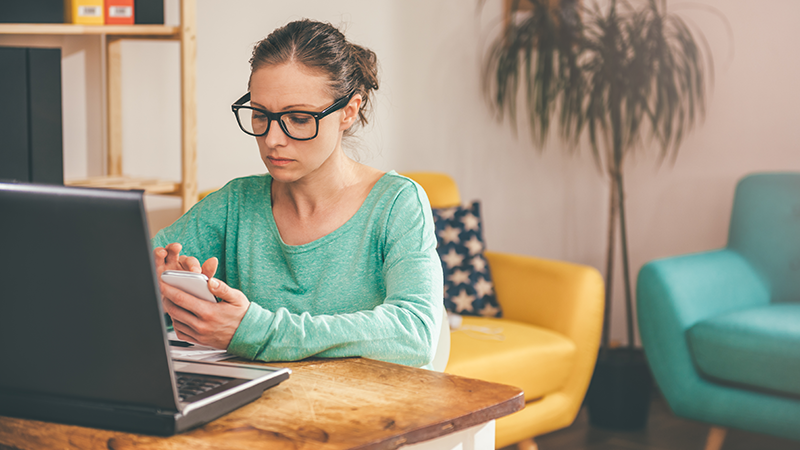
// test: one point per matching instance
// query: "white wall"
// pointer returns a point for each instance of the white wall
(430, 115)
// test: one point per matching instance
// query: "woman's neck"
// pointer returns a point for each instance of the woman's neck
(317, 205)
(319, 190)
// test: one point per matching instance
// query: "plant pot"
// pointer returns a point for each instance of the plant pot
(620, 392)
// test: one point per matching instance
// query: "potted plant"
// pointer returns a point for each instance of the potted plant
(629, 76)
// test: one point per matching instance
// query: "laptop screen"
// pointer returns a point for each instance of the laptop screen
(80, 312)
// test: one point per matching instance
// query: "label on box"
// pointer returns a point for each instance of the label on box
(120, 11)
(90, 11)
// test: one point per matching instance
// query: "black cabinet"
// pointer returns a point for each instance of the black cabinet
(31, 142)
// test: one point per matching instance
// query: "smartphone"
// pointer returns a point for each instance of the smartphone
(190, 282)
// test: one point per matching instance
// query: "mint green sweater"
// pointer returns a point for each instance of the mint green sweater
(371, 288)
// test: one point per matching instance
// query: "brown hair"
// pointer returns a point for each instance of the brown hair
(321, 47)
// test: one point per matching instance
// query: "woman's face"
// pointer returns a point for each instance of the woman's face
(290, 87)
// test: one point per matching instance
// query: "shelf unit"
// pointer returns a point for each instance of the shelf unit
(185, 34)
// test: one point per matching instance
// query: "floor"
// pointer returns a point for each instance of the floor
(664, 432)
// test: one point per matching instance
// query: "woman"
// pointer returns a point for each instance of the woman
(323, 255)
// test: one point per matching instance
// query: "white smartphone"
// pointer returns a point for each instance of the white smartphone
(190, 282)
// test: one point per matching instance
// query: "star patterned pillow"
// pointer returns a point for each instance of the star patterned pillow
(468, 286)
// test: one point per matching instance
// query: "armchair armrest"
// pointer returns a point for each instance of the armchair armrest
(564, 297)
(673, 294)
(690, 288)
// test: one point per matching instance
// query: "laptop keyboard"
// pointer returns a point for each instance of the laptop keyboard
(190, 385)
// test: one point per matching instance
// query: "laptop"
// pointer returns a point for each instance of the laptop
(83, 338)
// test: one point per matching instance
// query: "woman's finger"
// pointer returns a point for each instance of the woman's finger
(183, 306)
(184, 332)
(173, 253)
(160, 256)
(227, 293)
(176, 312)
(209, 268)
(190, 263)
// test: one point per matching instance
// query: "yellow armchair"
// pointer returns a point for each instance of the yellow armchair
(551, 326)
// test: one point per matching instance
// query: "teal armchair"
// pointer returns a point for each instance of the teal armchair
(721, 329)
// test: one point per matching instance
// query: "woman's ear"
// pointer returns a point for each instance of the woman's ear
(351, 112)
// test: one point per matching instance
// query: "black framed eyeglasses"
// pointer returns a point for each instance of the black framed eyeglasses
(298, 125)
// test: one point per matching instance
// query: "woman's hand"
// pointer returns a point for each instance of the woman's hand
(196, 320)
(170, 258)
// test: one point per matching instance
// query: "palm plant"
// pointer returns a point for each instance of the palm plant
(625, 75)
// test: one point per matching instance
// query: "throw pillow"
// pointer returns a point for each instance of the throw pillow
(468, 286)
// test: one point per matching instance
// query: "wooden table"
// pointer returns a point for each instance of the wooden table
(351, 403)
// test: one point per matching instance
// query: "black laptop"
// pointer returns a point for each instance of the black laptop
(82, 331)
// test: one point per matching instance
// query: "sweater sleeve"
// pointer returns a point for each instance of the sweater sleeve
(404, 329)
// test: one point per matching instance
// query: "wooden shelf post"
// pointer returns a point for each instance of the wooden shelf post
(114, 106)
(188, 103)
